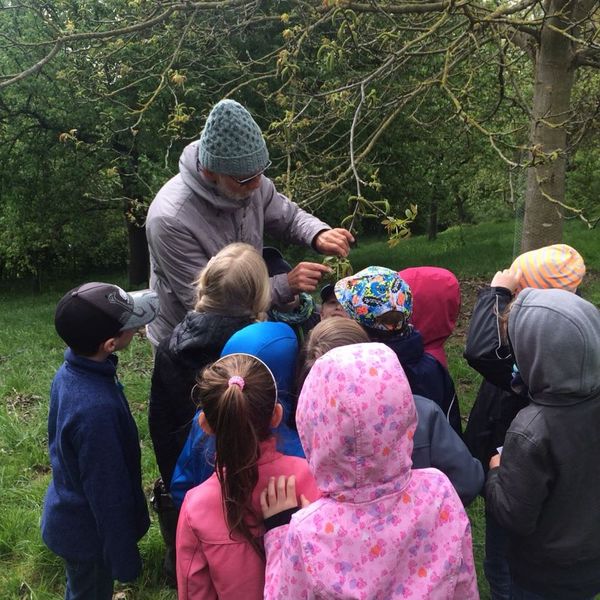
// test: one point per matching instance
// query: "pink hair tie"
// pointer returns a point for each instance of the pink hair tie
(237, 380)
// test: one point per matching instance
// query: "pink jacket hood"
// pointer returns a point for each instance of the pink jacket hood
(436, 304)
(356, 418)
(380, 531)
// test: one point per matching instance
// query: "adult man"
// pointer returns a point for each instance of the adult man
(220, 196)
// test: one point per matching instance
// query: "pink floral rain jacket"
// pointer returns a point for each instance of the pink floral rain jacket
(380, 531)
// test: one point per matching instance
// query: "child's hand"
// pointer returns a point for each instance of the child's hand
(495, 461)
(507, 279)
(275, 499)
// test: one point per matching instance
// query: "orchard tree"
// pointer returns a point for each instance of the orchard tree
(536, 48)
(335, 84)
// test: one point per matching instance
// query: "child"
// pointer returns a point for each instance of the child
(219, 545)
(543, 488)
(381, 529)
(381, 302)
(435, 443)
(436, 304)
(95, 510)
(498, 402)
(558, 266)
(330, 307)
(233, 291)
(276, 345)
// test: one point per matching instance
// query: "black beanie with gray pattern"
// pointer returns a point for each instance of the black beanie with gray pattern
(231, 142)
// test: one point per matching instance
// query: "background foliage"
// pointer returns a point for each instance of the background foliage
(393, 105)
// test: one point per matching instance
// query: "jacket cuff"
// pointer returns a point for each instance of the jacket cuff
(281, 294)
(502, 291)
(280, 519)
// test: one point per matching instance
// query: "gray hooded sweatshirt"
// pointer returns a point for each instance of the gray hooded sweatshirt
(546, 492)
(189, 222)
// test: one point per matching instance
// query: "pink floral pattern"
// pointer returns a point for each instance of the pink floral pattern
(380, 530)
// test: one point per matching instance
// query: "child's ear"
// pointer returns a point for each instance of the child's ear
(109, 345)
(204, 424)
(277, 415)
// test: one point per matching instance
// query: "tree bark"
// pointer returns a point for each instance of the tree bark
(138, 267)
(461, 212)
(554, 77)
(432, 226)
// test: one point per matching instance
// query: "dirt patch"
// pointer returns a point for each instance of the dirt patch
(468, 293)
(41, 469)
(22, 405)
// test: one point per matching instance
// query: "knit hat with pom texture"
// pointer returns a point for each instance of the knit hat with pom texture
(231, 142)
(556, 266)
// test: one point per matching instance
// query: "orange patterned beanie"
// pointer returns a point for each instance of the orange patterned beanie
(557, 266)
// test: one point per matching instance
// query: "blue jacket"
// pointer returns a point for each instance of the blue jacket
(195, 343)
(437, 445)
(276, 345)
(426, 375)
(95, 507)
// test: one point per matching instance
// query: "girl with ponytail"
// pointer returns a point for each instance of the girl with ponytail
(219, 535)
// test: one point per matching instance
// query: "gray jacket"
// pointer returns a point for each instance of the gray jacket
(436, 444)
(189, 222)
(546, 491)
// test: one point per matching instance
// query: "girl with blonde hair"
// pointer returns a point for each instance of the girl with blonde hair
(232, 292)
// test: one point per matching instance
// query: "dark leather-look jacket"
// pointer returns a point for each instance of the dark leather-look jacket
(496, 404)
(195, 342)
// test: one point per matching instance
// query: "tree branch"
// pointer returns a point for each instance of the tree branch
(405, 8)
(38, 66)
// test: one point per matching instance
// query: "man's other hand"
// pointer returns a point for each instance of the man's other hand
(334, 242)
(305, 277)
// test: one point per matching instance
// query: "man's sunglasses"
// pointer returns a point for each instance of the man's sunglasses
(249, 179)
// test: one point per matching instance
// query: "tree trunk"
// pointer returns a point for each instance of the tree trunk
(138, 266)
(460, 209)
(432, 226)
(554, 77)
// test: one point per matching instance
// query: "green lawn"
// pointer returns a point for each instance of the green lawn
(30, 353)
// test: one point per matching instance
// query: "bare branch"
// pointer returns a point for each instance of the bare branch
(408, 7)
(38, 66)
(589, 57)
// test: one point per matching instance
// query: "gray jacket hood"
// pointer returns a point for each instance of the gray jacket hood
(555, 336)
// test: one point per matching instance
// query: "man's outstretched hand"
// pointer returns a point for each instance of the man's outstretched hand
(305, 277)
(334, 242)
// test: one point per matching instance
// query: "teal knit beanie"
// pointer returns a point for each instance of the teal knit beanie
(231, 142)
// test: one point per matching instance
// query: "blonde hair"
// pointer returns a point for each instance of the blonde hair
(327, 335)
(234, 282)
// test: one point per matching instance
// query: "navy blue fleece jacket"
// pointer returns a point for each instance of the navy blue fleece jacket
(95, 507)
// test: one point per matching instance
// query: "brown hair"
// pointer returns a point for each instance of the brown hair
(234, 282)
(503, 322)
(328, 334)
(240, 417)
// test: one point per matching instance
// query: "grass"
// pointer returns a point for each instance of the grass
(30, 353)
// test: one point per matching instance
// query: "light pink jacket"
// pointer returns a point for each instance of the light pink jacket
(210, 563)
(380, 530)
